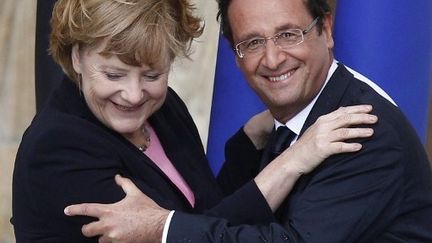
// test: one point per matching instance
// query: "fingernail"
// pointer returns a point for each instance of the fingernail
(67, 211)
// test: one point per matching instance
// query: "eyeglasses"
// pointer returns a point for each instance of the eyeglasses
(285, 39)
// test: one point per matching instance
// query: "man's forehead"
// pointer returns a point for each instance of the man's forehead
(265, 17)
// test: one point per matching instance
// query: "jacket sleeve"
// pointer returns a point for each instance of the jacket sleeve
(58, 167)
(241, 162)
(242, 203)
(249, 220)
(202, 229)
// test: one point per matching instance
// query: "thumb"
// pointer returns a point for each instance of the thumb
(127, 185)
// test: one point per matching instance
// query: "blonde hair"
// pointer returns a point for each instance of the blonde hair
(137, 31)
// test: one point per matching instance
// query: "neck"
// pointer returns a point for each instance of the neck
(140, 138)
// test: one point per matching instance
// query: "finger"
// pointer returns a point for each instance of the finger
(341, 147)
(347, 120)
(110, 237)
(127, 185)
(355, 109)
(105, 239)
(352, 119)
(349, 133)
(345, 112)
(92, 229)
(85, 209)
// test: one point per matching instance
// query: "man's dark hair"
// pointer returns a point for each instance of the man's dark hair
(316, 8)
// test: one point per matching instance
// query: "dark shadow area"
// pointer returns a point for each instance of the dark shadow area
(47, 73)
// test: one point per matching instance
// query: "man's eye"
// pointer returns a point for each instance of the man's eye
(255, 43)
(288, 35)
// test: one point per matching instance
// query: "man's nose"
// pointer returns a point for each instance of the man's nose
(273, 55)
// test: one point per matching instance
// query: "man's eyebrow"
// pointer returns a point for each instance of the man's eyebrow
(251, 36)
(287, 27)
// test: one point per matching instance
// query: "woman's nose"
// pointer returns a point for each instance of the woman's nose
(132, 92)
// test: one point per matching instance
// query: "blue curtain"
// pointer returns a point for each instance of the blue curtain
(390, 42)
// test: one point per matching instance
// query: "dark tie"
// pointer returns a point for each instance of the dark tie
(278, 142)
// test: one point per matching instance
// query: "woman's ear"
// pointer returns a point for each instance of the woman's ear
(76, 60)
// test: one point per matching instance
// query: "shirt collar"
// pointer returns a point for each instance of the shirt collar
(296, 123)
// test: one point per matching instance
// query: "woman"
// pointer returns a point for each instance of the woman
(115, 114)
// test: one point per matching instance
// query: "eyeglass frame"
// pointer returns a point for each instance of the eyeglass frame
(276, 36)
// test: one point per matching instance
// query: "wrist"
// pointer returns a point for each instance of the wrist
(166, 226)
(292, 170)
(154, 226)
(160, 224)
(299, 163)
(276, 180)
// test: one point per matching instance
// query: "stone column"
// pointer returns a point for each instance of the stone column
(17, 100)
(193, 79)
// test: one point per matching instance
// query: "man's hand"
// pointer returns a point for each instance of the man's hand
(259, 127)
(136, 218)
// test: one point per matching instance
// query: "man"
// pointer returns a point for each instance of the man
(381, 194)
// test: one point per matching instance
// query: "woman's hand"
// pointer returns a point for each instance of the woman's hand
(328, 135)
(324, 138)
(259, 127)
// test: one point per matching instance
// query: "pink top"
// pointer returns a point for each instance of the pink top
(156, 153)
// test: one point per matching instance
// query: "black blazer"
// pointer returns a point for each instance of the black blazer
(382, 193)
(67, 156)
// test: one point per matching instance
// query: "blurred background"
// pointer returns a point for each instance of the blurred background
(192, 79)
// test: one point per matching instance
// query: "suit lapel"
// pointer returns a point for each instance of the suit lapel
(172, 139)
(328, 101)
(330, 97)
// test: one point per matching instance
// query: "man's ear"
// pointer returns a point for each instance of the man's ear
(328, 30)
(76, 59)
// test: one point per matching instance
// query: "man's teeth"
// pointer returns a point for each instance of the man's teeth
(282, 77)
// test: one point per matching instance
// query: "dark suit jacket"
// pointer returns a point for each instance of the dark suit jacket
(67, 156)
(382, 193)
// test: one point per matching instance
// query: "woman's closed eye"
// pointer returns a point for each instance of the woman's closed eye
(151, 76)
(113, 76)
